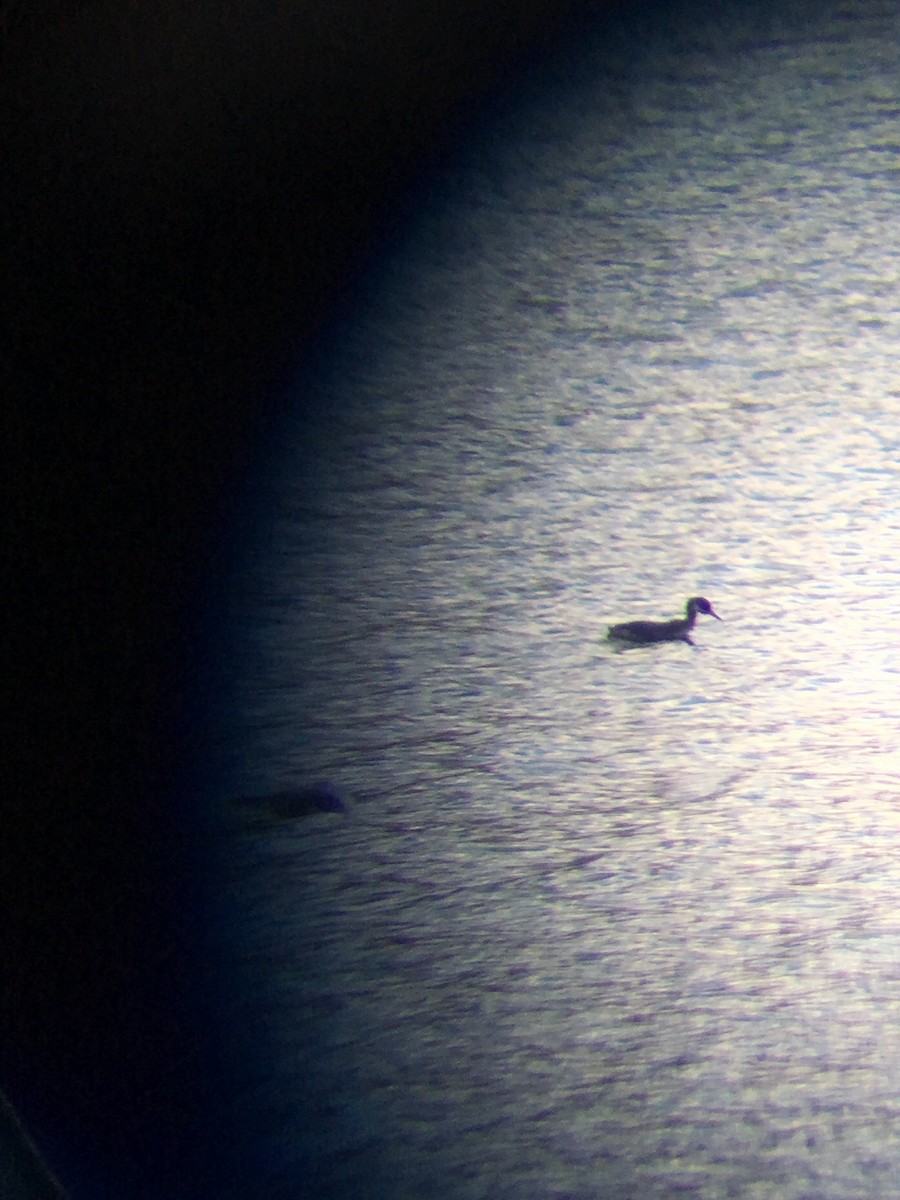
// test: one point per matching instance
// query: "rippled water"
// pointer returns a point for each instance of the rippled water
(597, 925)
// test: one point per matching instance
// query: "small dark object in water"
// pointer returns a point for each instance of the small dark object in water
(300, 802)
(646, 633)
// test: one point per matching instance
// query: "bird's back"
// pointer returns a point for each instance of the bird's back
(645, 632)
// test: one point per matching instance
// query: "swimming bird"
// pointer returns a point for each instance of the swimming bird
(645, 633)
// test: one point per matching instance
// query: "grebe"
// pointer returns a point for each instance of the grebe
(645, 633)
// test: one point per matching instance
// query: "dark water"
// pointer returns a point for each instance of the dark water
(596, 925)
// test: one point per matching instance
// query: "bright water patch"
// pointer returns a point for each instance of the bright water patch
(598, 924)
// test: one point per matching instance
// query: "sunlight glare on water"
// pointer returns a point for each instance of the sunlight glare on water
(597, 923)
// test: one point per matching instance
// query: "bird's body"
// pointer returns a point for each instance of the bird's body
(647, 633)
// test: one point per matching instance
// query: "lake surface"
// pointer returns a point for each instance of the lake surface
(596, 925)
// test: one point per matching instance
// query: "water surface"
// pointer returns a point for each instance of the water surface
(597, 924)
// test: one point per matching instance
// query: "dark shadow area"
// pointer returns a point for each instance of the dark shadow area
(191, 192)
